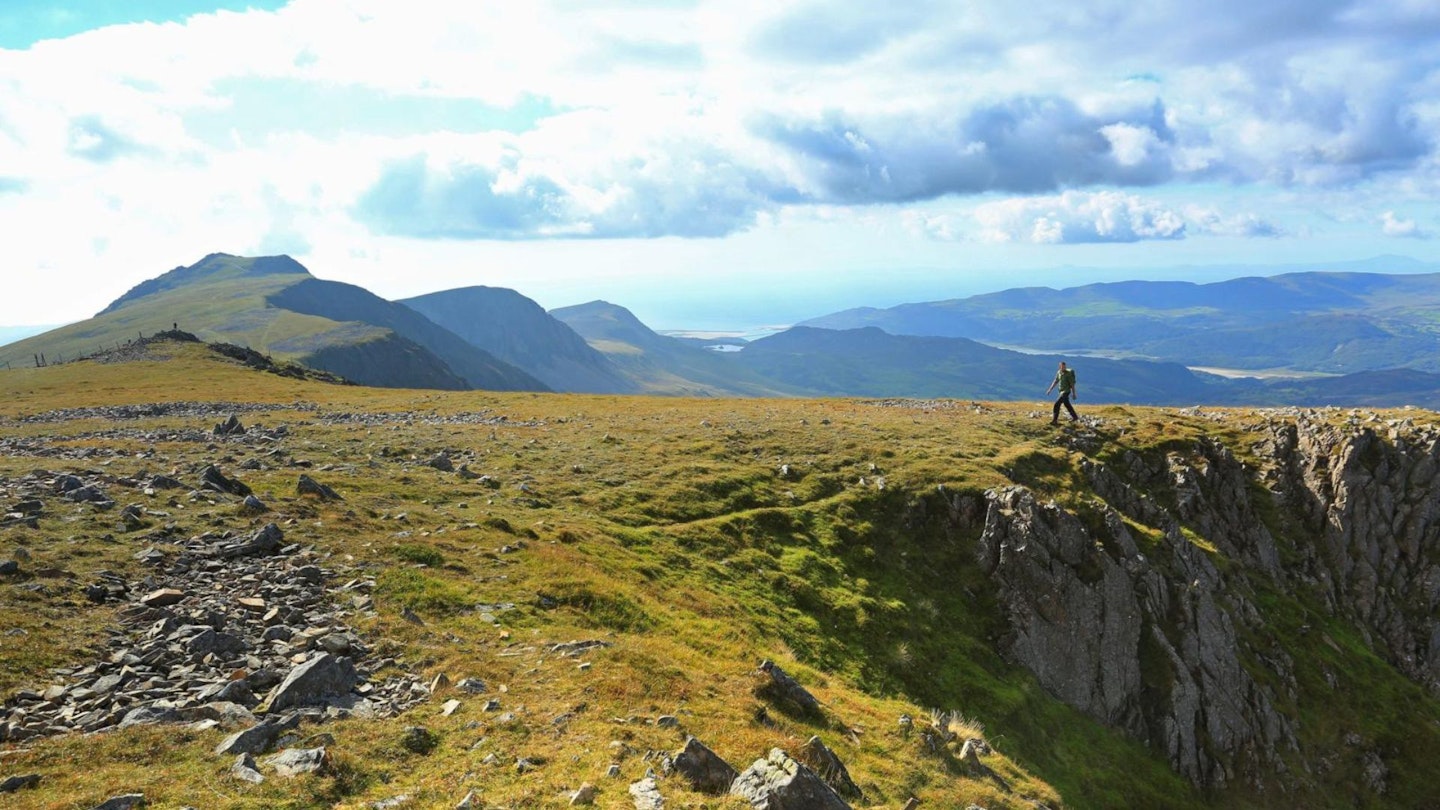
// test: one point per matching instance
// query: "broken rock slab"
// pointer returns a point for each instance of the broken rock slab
(323, 677)
(780, 782)
(258, 738)
(703, 768)
(647, 795)
(309, 486)
(785, 691)
(828, 765)
(125, 801)
(293, 762)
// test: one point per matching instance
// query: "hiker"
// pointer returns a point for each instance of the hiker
(1065, 378)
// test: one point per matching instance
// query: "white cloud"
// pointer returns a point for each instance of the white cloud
(1203, 219)
(1078, 217)
(704, 118)
(1393, 225)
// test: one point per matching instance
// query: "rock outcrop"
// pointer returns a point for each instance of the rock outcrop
(779, 782)
(1139, 607)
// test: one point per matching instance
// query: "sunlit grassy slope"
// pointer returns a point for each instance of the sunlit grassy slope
(698, 536)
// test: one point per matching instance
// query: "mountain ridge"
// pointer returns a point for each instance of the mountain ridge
(274, 305)
(1283, 321)
(519, 331)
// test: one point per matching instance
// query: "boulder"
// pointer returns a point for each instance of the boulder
(779, 688)
(211, 478)
(704, 769)
(647, 795)
(312, 488)
(779, 782)
(19, 782)
(824, 762)
(318, 680)
(293, 762)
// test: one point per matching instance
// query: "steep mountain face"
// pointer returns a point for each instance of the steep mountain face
(660, 364)
(1330, 322)
(520, 332)
(346, 302)
(1211, 606)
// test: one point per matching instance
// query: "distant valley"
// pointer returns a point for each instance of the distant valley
(1304, 338)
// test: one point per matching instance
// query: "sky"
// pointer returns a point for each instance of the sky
(711, 163)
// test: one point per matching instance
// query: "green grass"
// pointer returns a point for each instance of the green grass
(666, 528)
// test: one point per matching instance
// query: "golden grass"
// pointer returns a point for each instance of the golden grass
(696, 536)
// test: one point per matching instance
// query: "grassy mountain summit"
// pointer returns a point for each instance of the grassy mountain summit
(1156, 608)
(274, 305)
(215, 267)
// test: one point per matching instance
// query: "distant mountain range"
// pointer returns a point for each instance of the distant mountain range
(1362, 338)
(1319, 322)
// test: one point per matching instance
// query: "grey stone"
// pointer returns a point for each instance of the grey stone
(124, 801)
(211, 478)
(162, 597)
(151, 715)
(19, 782)
(264, 541)
(703, 769)
(585, 795)
(779, 782)
(318, 680)
(230, 427)
(9, 567)
(784, 691)
(296, 761)
(647, 795)
(257, 739)
(827, 764)
(309, 486)
(245, 769)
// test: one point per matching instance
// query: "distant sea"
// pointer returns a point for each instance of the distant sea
(10, 334)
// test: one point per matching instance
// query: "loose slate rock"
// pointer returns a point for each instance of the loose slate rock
(163, 597)
(779, 782)
(122, 802)
(230, 427)
(246, 770)
(785, 691)
(323, 677)
(704, 769)
(309, 486)
(19, 782)
(265, 541)
(647, 795)
(825, 762)
(257, 739)
(294, 761)
(211, 478)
